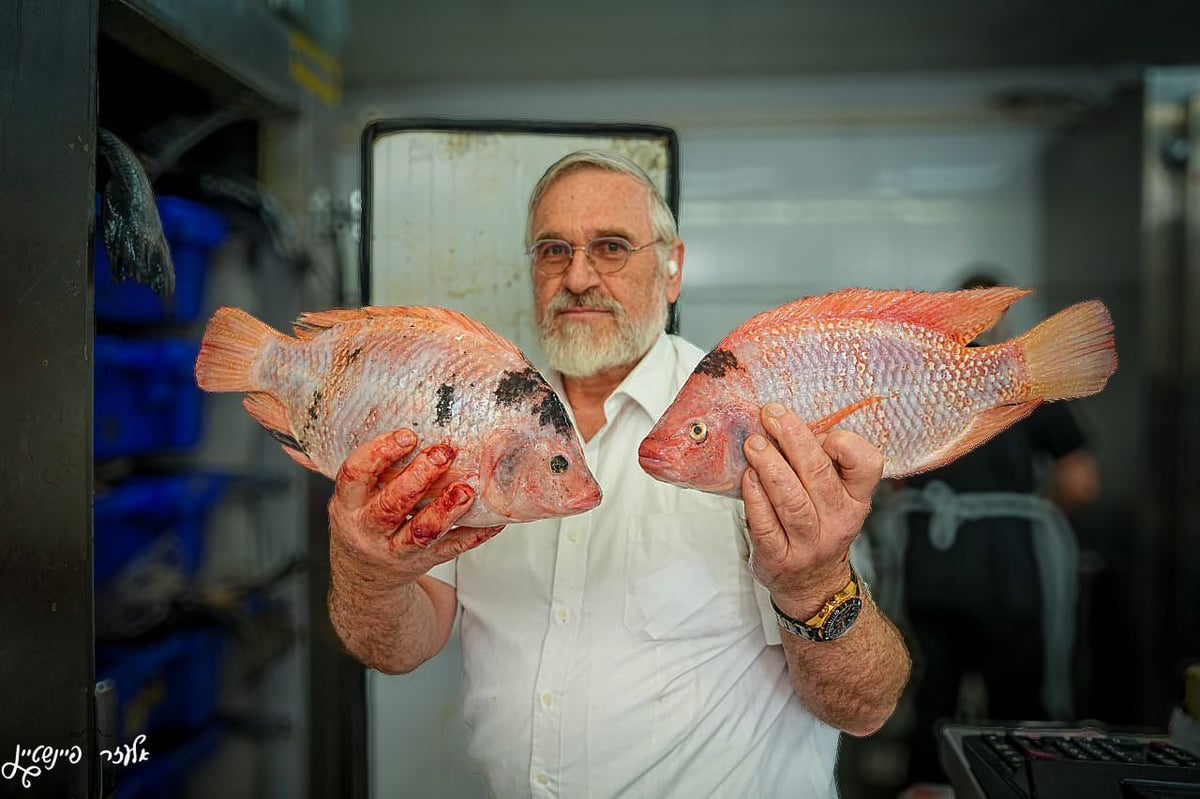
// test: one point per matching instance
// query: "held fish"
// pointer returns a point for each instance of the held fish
(351, 375)
(891, 366)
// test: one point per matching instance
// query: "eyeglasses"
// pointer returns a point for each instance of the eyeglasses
(607, 254)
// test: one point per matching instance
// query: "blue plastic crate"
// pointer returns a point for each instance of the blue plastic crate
(193, 231)
(146, 397)
(173, 683)
(160, 516)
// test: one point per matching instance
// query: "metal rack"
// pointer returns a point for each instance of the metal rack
(240, 56)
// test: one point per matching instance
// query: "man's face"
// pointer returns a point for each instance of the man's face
(588, 322)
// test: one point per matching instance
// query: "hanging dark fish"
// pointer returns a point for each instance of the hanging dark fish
(133, 235)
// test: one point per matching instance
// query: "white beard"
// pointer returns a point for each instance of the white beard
(574, 351)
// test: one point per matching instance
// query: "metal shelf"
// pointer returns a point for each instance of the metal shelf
(238, 51)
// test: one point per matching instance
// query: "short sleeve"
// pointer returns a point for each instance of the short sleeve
(446, 572)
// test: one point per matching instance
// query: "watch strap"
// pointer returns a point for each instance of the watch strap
(834, 618)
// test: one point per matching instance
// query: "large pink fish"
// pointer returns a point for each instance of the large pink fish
(351, 375)
(892, 366)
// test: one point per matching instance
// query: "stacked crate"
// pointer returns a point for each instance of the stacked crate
(163, 674)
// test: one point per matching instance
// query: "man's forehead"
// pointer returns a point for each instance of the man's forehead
(602, 200)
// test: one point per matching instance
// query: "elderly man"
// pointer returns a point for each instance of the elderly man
(634, 650)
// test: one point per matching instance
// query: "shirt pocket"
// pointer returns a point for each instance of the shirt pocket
(685, 575)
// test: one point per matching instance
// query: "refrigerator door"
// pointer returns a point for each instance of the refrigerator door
(444, 214)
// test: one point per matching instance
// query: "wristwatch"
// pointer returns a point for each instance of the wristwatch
(833, 620)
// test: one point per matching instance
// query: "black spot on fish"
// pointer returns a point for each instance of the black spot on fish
(717, 363)
(445, 395)
(516, 386)
(314, 405)
(551, 411)
(352, 356)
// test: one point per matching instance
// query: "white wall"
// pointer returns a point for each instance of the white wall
(788, 188)
(769, 215)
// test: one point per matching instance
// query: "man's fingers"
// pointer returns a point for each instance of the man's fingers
(767, 536)
(803, 451)
(859, 463)
(788, 498)
(460, 539)
(395, 501)
(431, 521)
(361, 470)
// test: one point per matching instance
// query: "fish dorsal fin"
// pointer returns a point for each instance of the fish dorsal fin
(311, 323)
(960, 314)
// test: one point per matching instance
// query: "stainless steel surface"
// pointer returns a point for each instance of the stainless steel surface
(479, 40)
(47, 164)
(1094, 247)
(1123, 224)
(239, 51)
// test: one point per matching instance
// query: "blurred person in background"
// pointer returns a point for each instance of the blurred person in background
(988, 569)
(629, 651)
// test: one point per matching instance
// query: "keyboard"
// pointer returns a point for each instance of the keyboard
(1043, 764)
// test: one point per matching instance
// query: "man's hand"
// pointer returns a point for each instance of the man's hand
(373, 540)
(805, 501)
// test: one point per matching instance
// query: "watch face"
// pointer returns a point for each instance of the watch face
(841, 618)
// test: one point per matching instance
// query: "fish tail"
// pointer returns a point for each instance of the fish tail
(1072, 353)
(229, 352)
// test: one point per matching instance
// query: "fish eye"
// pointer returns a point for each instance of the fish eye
(559, 464)
(697, 431)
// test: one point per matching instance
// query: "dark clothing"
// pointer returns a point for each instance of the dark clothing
(978, 605)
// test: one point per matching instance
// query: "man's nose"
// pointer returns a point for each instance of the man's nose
(580, 275)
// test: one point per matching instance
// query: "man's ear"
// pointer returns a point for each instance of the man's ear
(674, 275)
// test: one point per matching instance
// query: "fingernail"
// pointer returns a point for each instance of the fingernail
(422, 537)
(460, 495)
(753, 476)
(403, 437)
(441, 454)
(757, 443)
(774, 409)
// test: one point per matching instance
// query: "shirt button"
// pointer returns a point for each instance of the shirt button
(543, 779)
(547, 699)
(573, 536)
(564, 615)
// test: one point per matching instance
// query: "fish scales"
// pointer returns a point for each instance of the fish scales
(350, 376)
(328, 374)
(892, 367)
(847, 366)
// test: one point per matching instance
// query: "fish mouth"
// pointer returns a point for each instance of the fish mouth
(650, 458)
(585, 502)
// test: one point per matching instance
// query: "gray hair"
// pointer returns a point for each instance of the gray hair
(662, 221)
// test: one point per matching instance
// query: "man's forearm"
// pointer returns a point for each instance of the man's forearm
(854, 682)
(392, 631)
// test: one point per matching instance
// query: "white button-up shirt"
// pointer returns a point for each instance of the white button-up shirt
(624, 651)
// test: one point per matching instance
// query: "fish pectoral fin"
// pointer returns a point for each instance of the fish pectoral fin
(986, 425)
(271, 414)
(300, 458)
(827, 423)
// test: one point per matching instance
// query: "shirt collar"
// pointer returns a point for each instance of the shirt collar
(648, 385)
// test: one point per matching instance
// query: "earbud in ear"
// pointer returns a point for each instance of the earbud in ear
(672, 268)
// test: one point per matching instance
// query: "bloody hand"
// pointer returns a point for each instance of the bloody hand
(374, 534)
